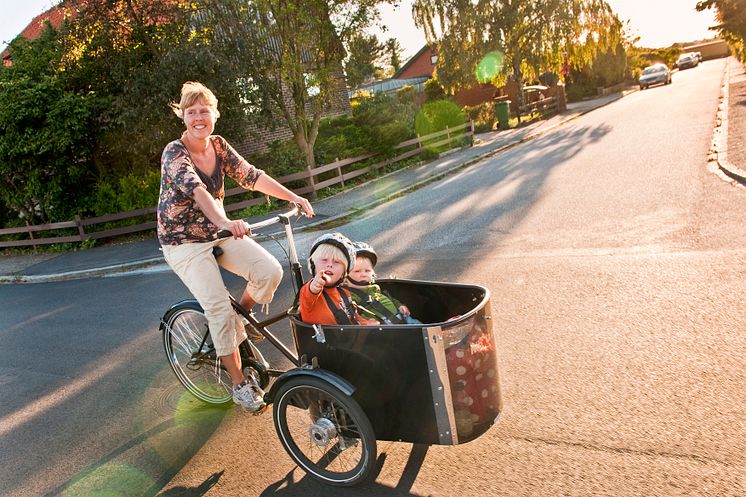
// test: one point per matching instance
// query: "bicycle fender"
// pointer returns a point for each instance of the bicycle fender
(323, 374)
(184, 304)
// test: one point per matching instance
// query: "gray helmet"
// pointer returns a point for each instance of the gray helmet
(338, 240)
(363, 249)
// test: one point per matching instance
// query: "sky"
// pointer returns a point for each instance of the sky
(658, 23)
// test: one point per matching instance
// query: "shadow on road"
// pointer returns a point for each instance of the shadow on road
(288, 487)
(198, 491)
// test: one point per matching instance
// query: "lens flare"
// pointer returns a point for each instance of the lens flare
(490, 66)
(191, 411)
(110, 480)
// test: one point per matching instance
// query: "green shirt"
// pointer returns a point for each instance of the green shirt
(365, 298)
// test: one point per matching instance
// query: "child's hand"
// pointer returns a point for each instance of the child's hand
(404, 310)
(319, 281)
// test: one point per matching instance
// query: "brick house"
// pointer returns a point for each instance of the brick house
(262, 137)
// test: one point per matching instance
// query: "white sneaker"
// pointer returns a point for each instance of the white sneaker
(249, 396)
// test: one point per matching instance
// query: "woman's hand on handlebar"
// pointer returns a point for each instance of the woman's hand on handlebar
(238, 228)
(304, 205)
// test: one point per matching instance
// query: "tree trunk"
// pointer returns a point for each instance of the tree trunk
(307, 150)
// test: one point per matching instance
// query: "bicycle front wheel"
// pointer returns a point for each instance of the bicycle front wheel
(324, 431)
(191, 354)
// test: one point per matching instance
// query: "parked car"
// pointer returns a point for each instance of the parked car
(687, 60)
(699, 56)
(655, 74)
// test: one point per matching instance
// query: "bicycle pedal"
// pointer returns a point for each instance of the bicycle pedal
(260, 411)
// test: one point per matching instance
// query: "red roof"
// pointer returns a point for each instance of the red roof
(38, 24)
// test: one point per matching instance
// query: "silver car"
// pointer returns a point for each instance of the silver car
(655, 74)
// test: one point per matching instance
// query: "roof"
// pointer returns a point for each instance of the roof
(34, 29)
(705, 44)
(389, 85)
(411, 61)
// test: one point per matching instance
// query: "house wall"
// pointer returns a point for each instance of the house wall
(475, 95)
(710, 50)
(421, 66)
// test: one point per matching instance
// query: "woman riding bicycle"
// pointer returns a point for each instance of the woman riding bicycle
(191, 212)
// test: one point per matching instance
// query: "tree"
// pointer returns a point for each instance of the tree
(486, 41)
(137, 53)
(88, 104)
(289, 55)
(45, 133)
(731, 16)
(363, 51)
(393, 52)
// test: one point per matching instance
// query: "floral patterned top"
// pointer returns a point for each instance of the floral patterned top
(180, 220)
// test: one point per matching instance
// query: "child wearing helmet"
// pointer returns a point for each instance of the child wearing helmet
(322, 299)
(371, 301)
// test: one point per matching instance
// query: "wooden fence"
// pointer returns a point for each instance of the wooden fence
(542, 105)
(342, 169)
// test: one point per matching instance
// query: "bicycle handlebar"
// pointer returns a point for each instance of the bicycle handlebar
(283, 218)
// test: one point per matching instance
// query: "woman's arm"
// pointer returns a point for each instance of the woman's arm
(212, 210)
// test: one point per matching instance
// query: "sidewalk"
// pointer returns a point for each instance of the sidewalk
(101, 261)
(729, 143)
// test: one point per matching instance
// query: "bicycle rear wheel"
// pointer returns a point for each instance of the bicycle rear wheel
(191, 354)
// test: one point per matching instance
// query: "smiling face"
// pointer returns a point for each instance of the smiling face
(199, 119)
(362, 272)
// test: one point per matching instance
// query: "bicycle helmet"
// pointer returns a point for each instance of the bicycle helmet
(338, 240)
(365, 250)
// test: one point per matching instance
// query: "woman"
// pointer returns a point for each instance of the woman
(190, 213)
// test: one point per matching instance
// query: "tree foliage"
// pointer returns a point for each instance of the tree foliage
(288, 55)
(731, 18)
(393, 52)
(46, 137)
(87, 104)
(363, 52)
(525, 38)
(84, 109)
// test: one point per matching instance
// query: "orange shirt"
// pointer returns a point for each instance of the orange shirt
(315, 310)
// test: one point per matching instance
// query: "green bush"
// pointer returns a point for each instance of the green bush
(128, 193)
(437, 116)
(483, 115)
(282, 159)
(433, 90)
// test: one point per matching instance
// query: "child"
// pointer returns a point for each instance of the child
(322, 300)
(371, 301)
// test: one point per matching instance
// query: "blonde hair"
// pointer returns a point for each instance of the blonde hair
(329, 251)
(191, 93)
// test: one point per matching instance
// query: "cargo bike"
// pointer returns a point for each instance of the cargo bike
(433, 383)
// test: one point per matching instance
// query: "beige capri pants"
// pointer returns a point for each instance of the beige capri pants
(199, 271)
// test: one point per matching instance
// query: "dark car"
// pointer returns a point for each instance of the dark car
(687, 60)
(654, 75)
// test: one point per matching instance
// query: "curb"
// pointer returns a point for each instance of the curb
(719, 147)
(117, 269)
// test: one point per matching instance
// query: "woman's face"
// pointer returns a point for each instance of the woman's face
(199, 120)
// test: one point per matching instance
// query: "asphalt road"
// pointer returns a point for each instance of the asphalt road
(616, 266)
